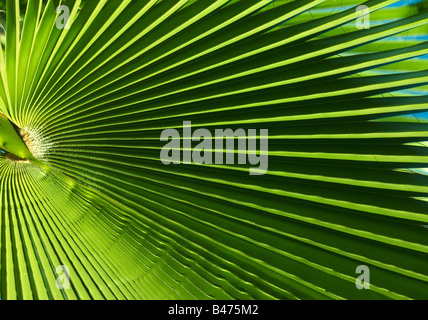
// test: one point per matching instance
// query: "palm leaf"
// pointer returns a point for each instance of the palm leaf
(87, 189)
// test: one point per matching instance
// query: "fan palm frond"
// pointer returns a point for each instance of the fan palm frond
(82, 184)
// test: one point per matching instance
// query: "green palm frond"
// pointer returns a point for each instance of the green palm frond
(82, 183)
